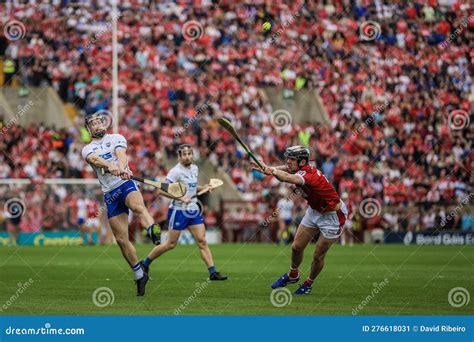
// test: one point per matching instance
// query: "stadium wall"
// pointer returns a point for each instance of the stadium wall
(36, 106)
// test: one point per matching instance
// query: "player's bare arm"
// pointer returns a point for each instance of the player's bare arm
(284, 176)
(122, 162)
(95, 160)
(281, 175)
(279, 167)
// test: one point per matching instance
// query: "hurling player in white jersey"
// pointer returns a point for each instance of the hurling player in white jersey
(285, 217)
(109, 152)
(185, 213)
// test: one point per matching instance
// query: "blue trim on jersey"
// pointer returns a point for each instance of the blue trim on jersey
(182, 219)
(115, 199)
(120, 146)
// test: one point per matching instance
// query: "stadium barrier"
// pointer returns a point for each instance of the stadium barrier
(70, 238)
(73, 238)
(246, 221)
(431, 238)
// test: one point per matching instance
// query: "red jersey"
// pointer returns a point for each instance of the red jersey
(92, 209)
(320, 193)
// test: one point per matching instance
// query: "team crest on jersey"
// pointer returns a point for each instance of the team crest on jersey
(301, 173)
(106, 156)
(108, 144)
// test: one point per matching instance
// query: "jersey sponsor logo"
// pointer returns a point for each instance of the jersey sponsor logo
(106, 156)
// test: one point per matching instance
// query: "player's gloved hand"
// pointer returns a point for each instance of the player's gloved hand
(114, 169)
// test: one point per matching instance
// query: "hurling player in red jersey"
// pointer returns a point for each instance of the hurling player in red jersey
(326, 213)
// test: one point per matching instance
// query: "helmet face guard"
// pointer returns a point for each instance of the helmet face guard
(297, 152)
(92, 120)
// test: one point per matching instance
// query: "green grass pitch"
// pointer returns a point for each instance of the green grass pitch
(418, 280)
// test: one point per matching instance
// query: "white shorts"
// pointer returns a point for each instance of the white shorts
(330, 223)
(348, 225)
(92, 222)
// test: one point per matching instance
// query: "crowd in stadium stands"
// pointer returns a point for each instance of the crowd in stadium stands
(388, 95)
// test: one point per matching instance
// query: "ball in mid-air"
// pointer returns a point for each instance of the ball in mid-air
(266, 26)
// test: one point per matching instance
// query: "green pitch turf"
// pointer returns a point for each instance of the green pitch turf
(416, 281)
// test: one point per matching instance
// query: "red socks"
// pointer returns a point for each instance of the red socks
(293, 273)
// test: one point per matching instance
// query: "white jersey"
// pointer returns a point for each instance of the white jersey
(188, 176)
(81, 208)
(285, 207)
(105, 148)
